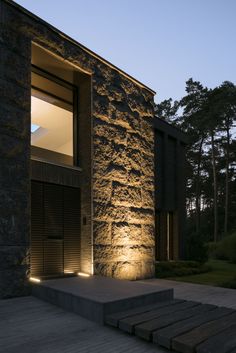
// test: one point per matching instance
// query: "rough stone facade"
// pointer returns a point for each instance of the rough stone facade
(14, 159)
(118, 162)
(123, 178)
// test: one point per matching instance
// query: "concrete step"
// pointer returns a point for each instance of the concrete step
(96, 297)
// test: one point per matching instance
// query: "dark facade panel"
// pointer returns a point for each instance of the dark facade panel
(170, 184)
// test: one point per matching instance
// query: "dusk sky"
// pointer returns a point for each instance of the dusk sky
(162, 43)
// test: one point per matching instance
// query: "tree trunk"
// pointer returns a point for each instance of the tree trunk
(198, 206)
(227, 179)
(215, 188)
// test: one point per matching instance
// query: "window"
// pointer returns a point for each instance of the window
(53, 119)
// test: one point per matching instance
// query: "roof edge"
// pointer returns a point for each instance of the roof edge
(181, 134)
(75, 42)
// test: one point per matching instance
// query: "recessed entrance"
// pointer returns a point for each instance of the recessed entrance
(55, 229)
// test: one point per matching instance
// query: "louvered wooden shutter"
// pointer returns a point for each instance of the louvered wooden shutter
(53, 215)
(71, 229)
(55, 229)
(37, 228)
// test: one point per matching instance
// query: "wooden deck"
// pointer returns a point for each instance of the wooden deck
(29, 325)
(183, 326)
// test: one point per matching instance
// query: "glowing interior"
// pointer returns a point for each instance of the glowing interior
(51, 127)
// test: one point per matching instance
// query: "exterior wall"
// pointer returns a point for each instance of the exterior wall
(123, 177)
(117, 149)
(14, 159)
(170, 185)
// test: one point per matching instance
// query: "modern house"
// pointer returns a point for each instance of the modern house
(78, 140)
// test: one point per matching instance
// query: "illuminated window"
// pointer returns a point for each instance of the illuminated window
(52, 119)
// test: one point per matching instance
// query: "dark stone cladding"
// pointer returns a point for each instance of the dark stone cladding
(15, 56)
(122, 163)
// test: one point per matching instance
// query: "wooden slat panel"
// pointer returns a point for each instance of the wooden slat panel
(187, 343)
(55, 240)
(37, 229)
(171, 235)
(53, 215)
(163, 236)
(164, 336)
(129, 323)
(71, 229)
(53, 257)
(222, 342)
(146, 330)
(53, 211)
(113, 319)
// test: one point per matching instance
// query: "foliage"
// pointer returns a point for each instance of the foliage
(222, 274)
(212, 250)
(208, 116)
(165, 269)
(224, 249)
(196, 249)
(229, 284)
(167, 110)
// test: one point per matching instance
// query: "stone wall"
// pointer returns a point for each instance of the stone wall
(14, 159)
(123, 177)
(117, 149)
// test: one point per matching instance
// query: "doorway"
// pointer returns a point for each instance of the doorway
(55, 229)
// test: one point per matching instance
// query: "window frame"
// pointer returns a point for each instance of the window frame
(75, 110)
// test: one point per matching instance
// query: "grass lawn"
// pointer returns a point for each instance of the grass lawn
(221, 273)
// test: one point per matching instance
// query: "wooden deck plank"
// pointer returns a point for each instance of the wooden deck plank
(49, 329)
(164, 336)
(221, 343)
(187, 342)
(129, 323)
(146, 329)
(114, 319)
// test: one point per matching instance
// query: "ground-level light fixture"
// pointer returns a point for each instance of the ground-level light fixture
(82, 274)
(68, 272)
(34, 279)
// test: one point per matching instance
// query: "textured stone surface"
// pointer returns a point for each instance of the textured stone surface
(124, 195)
(102, 233)
(123, 253)
(14, 282)
(125, 233)
(123, 177)
(14, 158)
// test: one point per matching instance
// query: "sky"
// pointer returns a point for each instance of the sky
(162, 43)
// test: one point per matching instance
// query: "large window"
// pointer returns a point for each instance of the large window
(53, 119)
